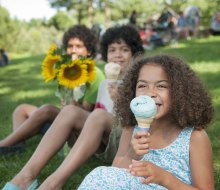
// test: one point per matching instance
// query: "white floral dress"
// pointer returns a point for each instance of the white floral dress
(173, 158)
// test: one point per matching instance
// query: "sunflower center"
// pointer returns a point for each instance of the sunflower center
(89, 68)
(72, 73)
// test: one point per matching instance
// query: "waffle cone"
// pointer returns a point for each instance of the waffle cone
(112, 77)
(144, 123)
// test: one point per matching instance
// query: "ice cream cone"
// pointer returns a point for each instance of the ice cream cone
(144, 110)
(112, 71)
(144, 124)
(114, 77)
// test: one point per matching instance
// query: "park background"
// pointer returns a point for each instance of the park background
(27, 43)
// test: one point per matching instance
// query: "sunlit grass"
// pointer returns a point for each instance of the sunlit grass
(204, 67)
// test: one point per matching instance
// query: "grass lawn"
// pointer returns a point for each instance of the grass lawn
(21, 82)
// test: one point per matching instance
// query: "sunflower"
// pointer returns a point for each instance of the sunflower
(52, 48)
(48, 67)
(91, 69)
(73, 75)
(69, 73)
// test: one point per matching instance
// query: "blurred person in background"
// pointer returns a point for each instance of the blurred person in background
(192, 15)
(133, 18)
(215, 24)
(181, 27)
(3, 58)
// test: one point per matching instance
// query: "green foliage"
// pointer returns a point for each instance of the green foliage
(201, 54)
(4, 19)
(27, 37)
(35, 40)
(19, 37)
(81, 8)
(8, 29)
(145, 8)
(62, 21)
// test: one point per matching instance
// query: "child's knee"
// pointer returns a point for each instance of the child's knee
(101, 117)
(47, 110)
(72, 111)
(21, 109)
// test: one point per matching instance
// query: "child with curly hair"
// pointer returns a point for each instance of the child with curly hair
(87, 133)
(176, 152)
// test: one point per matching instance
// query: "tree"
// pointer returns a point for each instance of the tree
(61, 21)
(8, 29)
(83, 8)
(36, 40)
(144, 8)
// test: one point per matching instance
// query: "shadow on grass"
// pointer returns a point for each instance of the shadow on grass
(37, 58)
(211, 80)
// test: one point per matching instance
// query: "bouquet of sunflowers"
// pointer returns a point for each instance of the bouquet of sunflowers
(71, 74)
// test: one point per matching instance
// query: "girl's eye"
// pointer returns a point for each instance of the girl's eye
(79, 46)
(110, 50)
(126, 50)
(162, 86)
(141, 86)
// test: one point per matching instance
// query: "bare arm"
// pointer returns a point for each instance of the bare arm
(200, 162)
(122, 158)
(113, 89)
(131, 147)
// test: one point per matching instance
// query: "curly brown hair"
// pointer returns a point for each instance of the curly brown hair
(126, 33)
(191, 102)
(84, 34)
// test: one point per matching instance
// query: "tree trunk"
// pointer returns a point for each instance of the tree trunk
(108, 16)
(90, 13)
(79, 18)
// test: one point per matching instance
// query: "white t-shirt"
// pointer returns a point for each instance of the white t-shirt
(103, 100)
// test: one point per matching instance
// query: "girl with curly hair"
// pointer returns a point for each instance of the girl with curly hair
(86, 133)
(176, 152)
